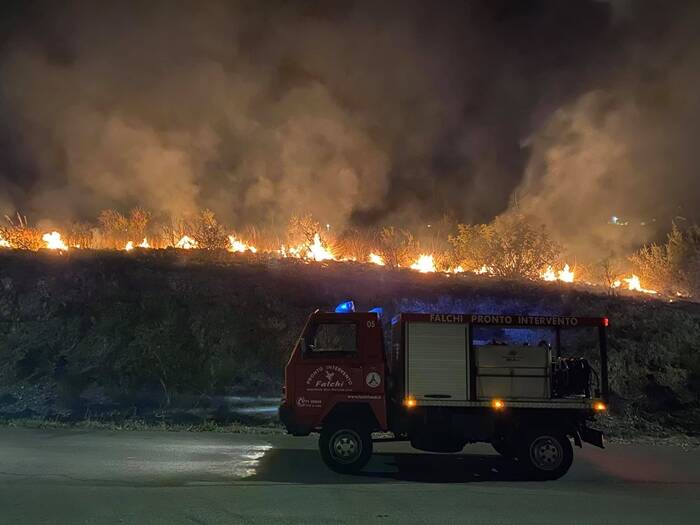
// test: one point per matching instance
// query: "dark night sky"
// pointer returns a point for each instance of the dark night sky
(362, 112)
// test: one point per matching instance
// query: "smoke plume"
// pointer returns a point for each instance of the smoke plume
(360, 112)
(622, 152)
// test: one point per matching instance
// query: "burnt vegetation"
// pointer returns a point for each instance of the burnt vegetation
(97, 332)
(100, 334)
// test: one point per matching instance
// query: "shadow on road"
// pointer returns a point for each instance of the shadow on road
(306, 467)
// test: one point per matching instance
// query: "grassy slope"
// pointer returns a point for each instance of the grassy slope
(88, 332)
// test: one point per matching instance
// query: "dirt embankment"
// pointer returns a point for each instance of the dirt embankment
(93, 334)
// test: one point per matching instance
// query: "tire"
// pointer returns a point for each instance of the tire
(545, 453)
(345, 448)
(503, 447)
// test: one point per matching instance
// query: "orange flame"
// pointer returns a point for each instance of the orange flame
(634, 283)
(130, 245)
(54, 242)
(318, 252)
(186, 243)
(424, 264)
(564, 275)
(548, 274)
(376, 259)
(240, 246)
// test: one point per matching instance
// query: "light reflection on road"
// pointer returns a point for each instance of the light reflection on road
(150, 457)
(250, 459)
(198, 460)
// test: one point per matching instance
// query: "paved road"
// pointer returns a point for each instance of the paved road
(94, 477)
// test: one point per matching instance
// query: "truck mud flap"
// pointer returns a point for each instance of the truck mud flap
(592, 436)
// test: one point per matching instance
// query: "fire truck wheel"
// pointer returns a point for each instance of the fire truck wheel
(345, 449)
(546, 453)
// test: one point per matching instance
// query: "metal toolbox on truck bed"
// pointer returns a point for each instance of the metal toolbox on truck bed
(512, 371)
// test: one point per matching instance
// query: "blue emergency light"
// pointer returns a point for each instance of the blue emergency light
(378, 310)
(345, 308)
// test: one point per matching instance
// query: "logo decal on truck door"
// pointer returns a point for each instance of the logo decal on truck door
(330, 377)
(373, 379)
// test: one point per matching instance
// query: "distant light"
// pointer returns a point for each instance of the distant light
(606, 321)
(616, 221)
(498, 404)
(599, 406)
(345, 308)
(378, 310)
(410, 402)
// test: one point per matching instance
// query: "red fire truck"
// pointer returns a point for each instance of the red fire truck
(445, 380)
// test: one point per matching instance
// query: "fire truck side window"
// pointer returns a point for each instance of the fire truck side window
(334, 337)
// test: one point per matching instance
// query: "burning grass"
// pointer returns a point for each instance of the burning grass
(509, 248)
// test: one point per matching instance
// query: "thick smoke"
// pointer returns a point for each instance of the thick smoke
(624, 149)
(360, 112)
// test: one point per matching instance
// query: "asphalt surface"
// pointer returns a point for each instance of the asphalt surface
(93, 477)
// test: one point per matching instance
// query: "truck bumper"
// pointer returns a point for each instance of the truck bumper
(287, 419)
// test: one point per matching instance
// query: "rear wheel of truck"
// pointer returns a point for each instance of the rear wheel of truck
(546, 453)
(345, 448)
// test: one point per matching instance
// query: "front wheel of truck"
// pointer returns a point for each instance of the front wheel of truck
(345, 448)
(546, 453)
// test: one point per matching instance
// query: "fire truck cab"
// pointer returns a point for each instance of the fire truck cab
(445, 380)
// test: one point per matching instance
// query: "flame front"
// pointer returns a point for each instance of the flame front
(548, 274)
(54, 242)
(424, 264)
(565, 275)
(634, 283)
(376, 259)
(130, 245)
(186, 243)
(318, 252)
(240, 246)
